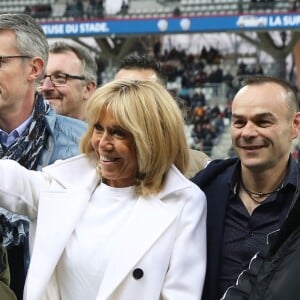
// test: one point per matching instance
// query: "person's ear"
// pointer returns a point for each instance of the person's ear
(89, 89)
(296, 125)
(36, 66)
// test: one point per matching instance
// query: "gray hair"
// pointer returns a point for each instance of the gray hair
(30, 37)
(88, 62)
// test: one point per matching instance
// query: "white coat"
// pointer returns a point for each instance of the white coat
(165, 236)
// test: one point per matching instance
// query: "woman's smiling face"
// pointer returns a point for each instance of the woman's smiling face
(115, 149)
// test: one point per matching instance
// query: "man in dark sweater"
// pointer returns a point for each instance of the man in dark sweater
(249, 196)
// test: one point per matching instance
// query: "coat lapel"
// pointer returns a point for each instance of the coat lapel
(147, 223)
(58, 213)
(58, 216)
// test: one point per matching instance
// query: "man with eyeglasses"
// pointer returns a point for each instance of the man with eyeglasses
(70, 80)
(30, 130)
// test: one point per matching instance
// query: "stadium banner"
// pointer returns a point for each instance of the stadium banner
(171, 25)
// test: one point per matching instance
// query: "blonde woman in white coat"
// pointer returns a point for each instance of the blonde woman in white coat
(119, 221)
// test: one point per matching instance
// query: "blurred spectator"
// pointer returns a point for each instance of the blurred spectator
(74, 9)
(27, 9)
(198, 99)
(176, 12)
(264, 4)
(39, 10)
(157, 49)
(70, 61)
(240, 6)
(208, 127)
(227, 110)
(228, 80)
(295, 5)
(124, 8)
(219, 125)
(253, 4)
(95, 9)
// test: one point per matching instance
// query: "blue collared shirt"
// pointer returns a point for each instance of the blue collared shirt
(7, 139)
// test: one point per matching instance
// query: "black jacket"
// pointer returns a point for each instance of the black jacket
(215, 181)
(273, 275)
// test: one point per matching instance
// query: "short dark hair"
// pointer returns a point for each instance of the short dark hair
(292, 95)
(143, 61)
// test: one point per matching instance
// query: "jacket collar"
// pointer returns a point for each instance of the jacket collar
(150, 218)
(175, 181)
(72, 177)
(291, 176)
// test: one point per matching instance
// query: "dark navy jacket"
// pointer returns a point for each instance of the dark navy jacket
(215, 181)
(273, 275)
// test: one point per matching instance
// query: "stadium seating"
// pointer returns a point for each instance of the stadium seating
(152, 8)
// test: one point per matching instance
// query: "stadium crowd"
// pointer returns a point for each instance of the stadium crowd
(200, 79)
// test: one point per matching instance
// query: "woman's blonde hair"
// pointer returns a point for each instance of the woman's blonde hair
(151, 115)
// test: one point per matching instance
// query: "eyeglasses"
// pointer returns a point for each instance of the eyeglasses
(3, 57)
(60, 78)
